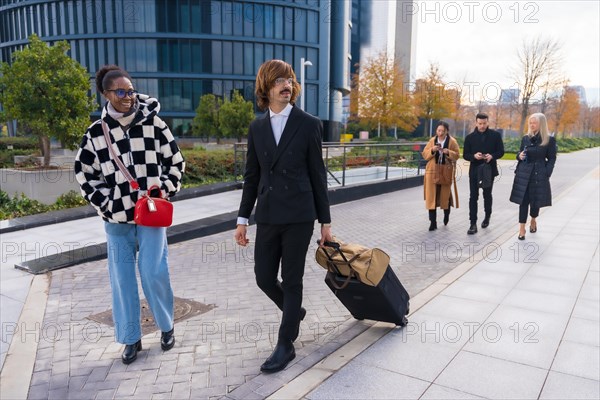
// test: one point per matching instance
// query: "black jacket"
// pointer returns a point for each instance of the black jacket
(287, 181)
(487, 142)
(534, 172)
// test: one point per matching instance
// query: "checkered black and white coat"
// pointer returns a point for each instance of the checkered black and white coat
(148, 150)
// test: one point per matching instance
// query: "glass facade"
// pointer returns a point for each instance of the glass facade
(179, 50)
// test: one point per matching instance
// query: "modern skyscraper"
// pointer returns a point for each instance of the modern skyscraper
(179, 50)
(385, 26)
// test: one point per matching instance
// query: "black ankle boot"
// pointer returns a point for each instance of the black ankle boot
(432, 218)
(446, 216)
(167, 340)
(130, 353)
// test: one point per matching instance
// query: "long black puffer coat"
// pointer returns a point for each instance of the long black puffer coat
(534, 171)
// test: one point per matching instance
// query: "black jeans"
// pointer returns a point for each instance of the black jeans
(474, 197)
(525, 206)
(287, 244)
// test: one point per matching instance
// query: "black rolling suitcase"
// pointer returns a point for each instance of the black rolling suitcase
(387, 301)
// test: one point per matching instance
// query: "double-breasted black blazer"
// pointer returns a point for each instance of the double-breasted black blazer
(287, 182)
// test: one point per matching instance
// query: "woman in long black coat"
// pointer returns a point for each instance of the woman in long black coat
(536, 158)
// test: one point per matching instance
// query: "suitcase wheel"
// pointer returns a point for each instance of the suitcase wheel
(358, 318)
(404, 322)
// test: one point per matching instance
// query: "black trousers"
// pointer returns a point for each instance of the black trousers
(285, 244)
(525, 206)
(474, 197)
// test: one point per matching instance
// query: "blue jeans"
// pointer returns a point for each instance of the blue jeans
(122, 242)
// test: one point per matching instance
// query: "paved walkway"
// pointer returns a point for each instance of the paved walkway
(218, 353)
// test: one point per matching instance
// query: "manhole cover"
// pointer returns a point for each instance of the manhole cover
(184, 309)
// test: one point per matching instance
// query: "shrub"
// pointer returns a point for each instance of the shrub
(19, 143)
(204, 167)
(19, 206)
(69, 200)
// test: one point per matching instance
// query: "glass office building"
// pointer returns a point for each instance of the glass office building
(179, 50)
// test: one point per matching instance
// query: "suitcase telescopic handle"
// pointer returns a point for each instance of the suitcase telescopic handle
(335, 245)
(332, 263)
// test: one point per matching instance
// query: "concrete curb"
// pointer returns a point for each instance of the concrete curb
(18, 367)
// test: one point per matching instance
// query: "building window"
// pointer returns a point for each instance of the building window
(217, 57)
(238, 58)
(215, 20)
(227, 17)
(278, 22)
(227, 58)
(248, 59)
(300, 25)
(313, 27)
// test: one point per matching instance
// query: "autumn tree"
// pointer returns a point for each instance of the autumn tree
(206, 121)
(47, 92)
(565, 110)
(235, 116)
(380, 96)
(538, 65)
(432, 99)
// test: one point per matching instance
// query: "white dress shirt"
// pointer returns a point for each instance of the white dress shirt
(278, 121)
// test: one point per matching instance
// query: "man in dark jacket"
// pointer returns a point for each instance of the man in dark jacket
(285, 177)
(482, 146)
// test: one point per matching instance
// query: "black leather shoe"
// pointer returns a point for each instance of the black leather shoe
(130, 353)
(485, 223)
(472, 230)
(433, 226)
(167, 340)
(282, 355)
(446, 217)
(521, 237)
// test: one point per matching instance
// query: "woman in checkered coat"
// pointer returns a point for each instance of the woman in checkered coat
(148, 150)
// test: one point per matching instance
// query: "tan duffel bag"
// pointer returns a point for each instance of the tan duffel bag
(353, 260)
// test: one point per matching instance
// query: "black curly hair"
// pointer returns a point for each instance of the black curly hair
(107, 75)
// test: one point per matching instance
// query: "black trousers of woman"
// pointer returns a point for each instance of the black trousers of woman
(525, 207)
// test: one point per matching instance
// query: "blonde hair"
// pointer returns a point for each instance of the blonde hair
(265, 81)
(544, 134)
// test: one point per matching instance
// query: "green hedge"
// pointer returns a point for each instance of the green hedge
(204, 167)
(19, 143)
(20, 206)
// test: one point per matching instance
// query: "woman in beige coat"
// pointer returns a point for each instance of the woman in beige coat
(441, 149)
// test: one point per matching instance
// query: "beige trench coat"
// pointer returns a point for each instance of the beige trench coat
(429, 188)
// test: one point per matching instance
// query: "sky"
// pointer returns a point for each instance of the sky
(477, 41)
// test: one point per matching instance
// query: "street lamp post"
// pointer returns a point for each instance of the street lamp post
(303, 63)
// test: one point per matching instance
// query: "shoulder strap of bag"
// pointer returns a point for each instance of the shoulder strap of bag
(118, 161)
(454, 179)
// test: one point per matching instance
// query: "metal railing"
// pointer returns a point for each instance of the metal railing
(348, 163)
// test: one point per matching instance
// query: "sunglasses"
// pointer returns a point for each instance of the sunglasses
(121, 93)
(283, 81)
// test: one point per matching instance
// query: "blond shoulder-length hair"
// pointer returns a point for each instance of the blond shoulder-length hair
(544, 134)
(265, 81)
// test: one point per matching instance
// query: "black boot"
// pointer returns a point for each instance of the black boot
(486, 221)
(130, 353)
(446, 216)
(167, 340)
(284, 353)
(432, 219)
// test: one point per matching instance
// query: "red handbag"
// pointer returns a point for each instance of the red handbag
(153, 211)
(149, 211)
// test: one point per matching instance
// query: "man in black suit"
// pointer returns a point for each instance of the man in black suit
(483, 145)
(286, 174)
